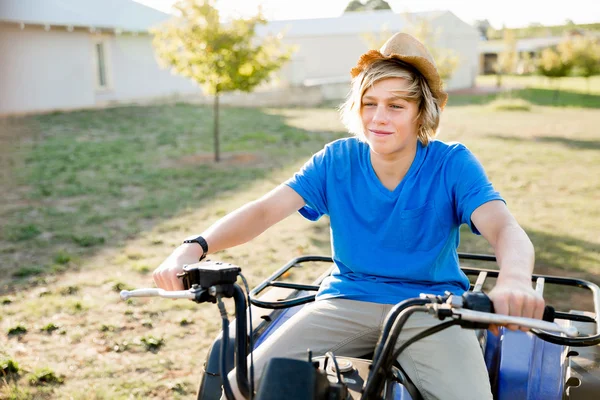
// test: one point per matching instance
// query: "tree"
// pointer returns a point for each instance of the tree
(377, 5)
(554, 64)
(483, 26)
(508, 57)
(356, 5)
(220, 58)
(446, 60)
(584, 55)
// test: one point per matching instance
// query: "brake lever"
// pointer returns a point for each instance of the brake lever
(500, 319)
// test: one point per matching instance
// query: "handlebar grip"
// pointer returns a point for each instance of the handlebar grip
(479, 301)
(549, 314)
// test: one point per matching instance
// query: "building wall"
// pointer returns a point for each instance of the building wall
(42, 70)
(462, 39)
(135, 73)
(322, 57)
(56, 70)
(330, 58)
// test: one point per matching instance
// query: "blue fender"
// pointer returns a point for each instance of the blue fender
(522, 366)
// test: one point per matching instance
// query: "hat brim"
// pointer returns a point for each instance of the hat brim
(422, 65)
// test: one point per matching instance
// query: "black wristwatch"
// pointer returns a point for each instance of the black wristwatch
(202, 242)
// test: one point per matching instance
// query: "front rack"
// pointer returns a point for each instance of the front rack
(482, 275)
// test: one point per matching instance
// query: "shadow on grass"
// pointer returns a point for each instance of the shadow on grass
(570, 143)
(560, 98)
(541, 97)
(562, 254)
(90, 180)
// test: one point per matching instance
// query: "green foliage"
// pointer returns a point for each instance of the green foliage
(107, 328)
(118, 286)
(69, 290)
(88, 240)
(507, 58)
(219, 57)
(8, 366)
(446, 60)
(24, 272)
(152, 343)
(43, 377)
(49, 328)
(142, 268)
(584, 54)
(20, 232)
(369, 5)
(17, 330)
(510, 104)
(553, 64)
(538, 30)
(378, 5)
(62, 257)
(354, 5)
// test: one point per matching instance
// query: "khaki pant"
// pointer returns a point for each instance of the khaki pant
(446, 365)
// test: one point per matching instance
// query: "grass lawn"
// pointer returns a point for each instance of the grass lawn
(93, 201)
(570, 84)
(565, 92)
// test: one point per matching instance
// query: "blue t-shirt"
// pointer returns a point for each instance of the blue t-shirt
(388, 246)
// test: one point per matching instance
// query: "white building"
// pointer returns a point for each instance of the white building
(327, 48)
(72, 54)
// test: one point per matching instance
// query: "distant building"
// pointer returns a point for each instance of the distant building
(327, 48)
(490, 49)
(72, 54)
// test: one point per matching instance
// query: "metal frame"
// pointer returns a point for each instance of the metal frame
(482, 276)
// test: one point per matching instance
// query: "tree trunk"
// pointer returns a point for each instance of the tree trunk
(216, 128)
(498, 79)
(587, 82)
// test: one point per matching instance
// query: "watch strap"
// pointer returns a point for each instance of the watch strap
(202, 242)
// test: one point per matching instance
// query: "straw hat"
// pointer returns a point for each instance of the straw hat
(406, 48)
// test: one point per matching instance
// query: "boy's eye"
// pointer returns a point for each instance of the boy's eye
(368, 104)
(396, 106)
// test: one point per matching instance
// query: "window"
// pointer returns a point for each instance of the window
(101, 65)
(101, 54)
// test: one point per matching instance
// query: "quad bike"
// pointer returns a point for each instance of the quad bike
(558, 359)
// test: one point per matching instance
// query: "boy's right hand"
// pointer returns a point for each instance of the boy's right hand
(165, 276)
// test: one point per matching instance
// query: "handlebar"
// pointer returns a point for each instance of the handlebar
(148, 292)
(210, 281)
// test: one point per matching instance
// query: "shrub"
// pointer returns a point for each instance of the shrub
(44, 376)
(152, 343)
(17, 330)
(9, 366)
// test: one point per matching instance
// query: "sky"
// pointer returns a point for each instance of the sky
(512, 13)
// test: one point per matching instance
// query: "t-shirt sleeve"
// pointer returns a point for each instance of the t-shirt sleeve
(309, 182)
(471, 187)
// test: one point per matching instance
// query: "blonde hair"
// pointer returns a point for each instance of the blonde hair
(417, 91)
